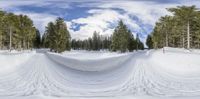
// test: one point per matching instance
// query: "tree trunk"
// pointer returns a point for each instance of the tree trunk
(166, 40)
(24, 44)
(10, 39)
(188, 35)
(183, 41)
(1, 41)
(20, 45)
(28, 44)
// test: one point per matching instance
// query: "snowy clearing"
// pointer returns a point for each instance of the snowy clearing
(152, 74)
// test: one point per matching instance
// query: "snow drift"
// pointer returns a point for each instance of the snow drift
(173, 73)
(91, 62)
(10, 60)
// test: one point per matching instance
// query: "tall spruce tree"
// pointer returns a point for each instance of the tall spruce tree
(120, 38)
(186, 15)
(16, 31)
(123, 40)
(149, 42)
(37, 42)
(132, 42)
(96, 41)
(57, 37)
(182, 28)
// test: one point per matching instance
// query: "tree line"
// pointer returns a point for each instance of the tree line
(17, 32)
(121, 40)
(181, 29)
(56, 36)
(96, 42)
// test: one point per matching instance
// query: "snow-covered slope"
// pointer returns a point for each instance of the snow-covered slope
(81, 74)
(85, 61)
(10, 60)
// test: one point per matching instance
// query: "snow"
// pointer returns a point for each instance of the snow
(10, 60)
(90, 61)
(92, 55)
(177, 61)
(152, 74)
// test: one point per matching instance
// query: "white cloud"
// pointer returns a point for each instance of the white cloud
(102, 14)
(100, 21)
(40, 20)
(148, 12)
(9, 4)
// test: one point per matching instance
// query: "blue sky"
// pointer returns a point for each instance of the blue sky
(83, 17)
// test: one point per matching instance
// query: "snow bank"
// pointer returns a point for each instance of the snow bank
(176, 61)
(91, 55)
(90, 61)
(10, 60)
(82, 74)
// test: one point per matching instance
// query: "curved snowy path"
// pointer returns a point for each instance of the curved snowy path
(42, 75)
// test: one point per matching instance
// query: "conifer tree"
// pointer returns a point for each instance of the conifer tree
(120, 39)
(149, 42)
(186, 15)
(57, 37)
(37, 42)
(123, 40)
(179, 30)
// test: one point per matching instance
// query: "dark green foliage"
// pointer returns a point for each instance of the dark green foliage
(57, 37)
(179, 30)
(149, 42)
(123, 40)
(132, 44)
(16, 31)
(96, 43)
(139, 44)
(37, 42)
(120, 39)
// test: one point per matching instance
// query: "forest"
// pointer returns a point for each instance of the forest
(17, 32)
(181, 29)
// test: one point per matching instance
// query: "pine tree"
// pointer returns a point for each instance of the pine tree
(95, 39)
(179, 30)
(120, 38)
(37, 42)
(132, 42)
(186, 15)
(149, 42)
(123, 40)
(16, 31)
(2, 14)
(57, 37)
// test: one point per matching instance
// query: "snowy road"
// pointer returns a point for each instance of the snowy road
(51, 75)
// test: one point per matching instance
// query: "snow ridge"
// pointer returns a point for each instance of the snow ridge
(134, 73)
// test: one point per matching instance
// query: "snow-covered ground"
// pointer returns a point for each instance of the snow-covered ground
(152, 74)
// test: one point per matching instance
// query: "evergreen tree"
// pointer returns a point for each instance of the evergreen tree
(186, 15)
(132, 42)
(120, 39)
(179, 30)
(57, 37)
(123, 40)
(2, 14)
(96, 41)
(37, 42)
(16, 31)
(149, 42)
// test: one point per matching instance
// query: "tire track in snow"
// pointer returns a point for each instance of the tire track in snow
(42, 76)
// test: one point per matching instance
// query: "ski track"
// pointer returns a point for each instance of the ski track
(42, 75)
